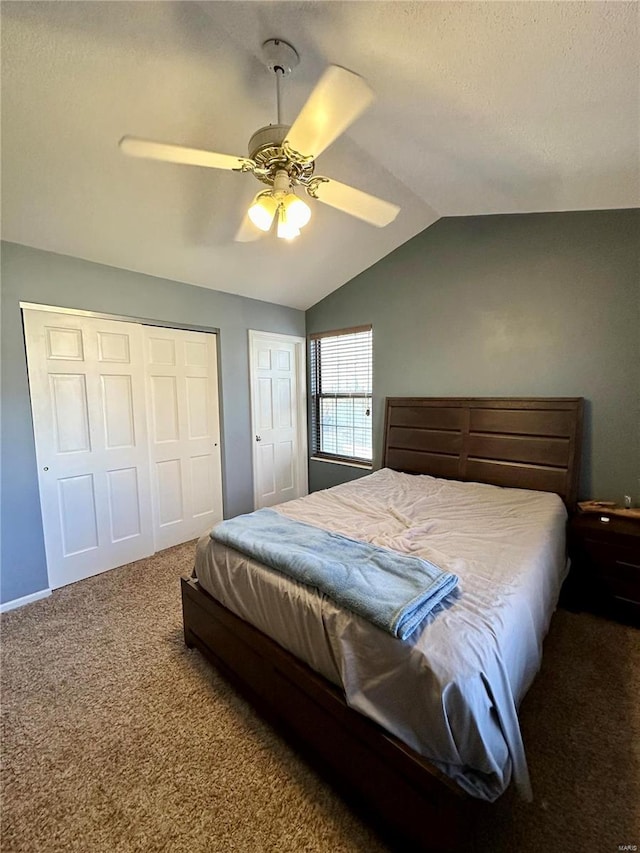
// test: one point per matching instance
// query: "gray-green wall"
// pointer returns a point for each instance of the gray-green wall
(522, 305)
(30, 275)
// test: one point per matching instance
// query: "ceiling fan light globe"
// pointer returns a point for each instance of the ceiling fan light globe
(298, 213)
(262, 211)
(286, 230)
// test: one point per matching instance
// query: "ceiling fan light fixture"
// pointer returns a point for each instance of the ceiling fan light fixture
(263, 210)
(286, 229)
(298, 213)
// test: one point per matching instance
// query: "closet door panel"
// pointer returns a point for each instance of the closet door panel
(182, 389)
(86, 379)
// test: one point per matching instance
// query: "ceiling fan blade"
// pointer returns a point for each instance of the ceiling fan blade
(375, 211)
(179, 154)
(247, 232)
(339, 97)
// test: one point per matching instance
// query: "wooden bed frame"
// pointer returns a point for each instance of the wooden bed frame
(527, 443)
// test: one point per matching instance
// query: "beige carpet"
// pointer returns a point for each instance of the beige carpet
(118, 738)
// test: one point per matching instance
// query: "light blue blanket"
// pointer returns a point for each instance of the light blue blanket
(394, 591)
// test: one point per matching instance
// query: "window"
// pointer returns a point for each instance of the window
(341, 394)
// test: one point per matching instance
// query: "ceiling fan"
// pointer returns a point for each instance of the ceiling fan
(283, 157)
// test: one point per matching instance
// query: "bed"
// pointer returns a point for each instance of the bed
(418, 754)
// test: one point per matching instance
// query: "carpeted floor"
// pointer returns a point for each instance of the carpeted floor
(117, 738)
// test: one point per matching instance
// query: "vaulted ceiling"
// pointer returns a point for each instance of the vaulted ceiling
(481, 108)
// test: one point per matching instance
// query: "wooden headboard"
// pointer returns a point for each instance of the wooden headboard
(527, 443)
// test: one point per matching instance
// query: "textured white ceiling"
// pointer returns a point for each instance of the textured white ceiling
(481, 108)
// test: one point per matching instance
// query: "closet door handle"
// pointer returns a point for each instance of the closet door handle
(258, 438)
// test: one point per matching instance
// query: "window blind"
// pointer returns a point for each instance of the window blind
(341, 391)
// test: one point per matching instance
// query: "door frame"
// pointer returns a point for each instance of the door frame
(301, 405)
(102, 315)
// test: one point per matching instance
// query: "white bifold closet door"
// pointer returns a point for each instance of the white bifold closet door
(127, 439)
(86, 379)
(184, 430)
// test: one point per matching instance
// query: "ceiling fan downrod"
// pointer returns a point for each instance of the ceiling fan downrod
(281, 58)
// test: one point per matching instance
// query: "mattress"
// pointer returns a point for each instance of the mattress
(452, 689)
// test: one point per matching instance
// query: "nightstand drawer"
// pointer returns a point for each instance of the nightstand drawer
(607, 557)
(624, 583)
(607, 528)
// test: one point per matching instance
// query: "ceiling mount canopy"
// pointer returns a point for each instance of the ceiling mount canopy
(280, 56)
(283, 157)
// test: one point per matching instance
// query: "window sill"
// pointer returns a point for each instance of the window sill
(365, 466)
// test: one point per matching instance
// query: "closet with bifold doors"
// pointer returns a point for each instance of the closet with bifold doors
(127, 431)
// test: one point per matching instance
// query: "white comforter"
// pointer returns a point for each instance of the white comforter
(452, 690)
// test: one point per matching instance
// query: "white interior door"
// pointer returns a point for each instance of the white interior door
(88, 400)
(184, 426)
(278, 406)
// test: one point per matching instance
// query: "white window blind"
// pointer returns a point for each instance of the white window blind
(341, 389)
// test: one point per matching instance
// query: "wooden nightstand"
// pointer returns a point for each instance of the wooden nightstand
(605, 563)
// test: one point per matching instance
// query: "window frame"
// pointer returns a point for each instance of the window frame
(316, 396)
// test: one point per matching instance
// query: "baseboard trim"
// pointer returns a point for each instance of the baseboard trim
(26, 599)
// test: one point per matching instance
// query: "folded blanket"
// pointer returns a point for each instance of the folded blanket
(393, 591)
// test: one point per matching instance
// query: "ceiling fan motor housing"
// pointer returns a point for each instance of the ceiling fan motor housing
(265, 148)
(271, 136)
